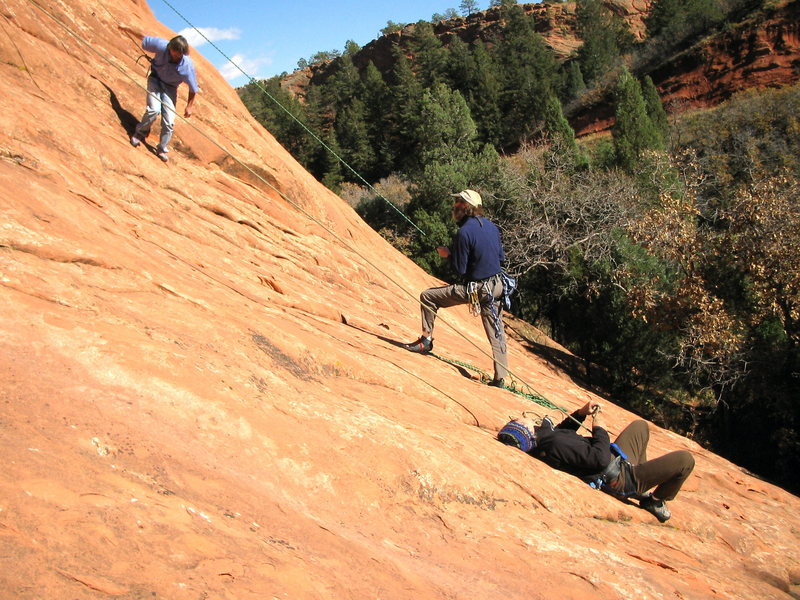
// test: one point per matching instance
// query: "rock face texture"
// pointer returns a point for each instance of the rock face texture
(202, 398)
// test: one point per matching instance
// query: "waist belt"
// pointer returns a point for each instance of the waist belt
(617, 478)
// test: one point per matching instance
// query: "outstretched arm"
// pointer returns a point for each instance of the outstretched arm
(138, 34)
(189, 105)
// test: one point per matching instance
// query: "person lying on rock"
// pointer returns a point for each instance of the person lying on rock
(170, 67)
(623, 470)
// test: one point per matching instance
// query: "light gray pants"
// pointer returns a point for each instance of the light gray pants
(489, 293)
(161, 99)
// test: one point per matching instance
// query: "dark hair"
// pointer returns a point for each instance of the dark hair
(179, 44)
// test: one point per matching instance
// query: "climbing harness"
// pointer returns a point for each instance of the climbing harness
(473, 298)
(617, 478)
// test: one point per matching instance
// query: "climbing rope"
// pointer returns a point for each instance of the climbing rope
(485, 378)
(532, 394)
(298, 121)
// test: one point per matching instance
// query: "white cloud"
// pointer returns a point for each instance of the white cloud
(249, 65)
(201, 35)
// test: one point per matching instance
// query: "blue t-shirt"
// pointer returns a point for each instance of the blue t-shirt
(477, 250)
(169, 72)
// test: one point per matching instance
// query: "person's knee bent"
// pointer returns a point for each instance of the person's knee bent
(685, 460)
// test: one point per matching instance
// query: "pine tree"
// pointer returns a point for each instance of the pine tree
(352, 137)
(528, 73)
(574, 84)
(460, 64)
(430, 57)
(328, 165)
(468, 7)
(345, 84)
(604, 35)
(403, 115)
(447, 131)
(556, 124)
(376, 103)
(483, 95)
(633, 131)
(655, 109)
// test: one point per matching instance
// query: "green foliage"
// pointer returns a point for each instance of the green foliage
(605, 37)
(473, 73)
(429, 54)
(377, 99)
(680, 19)
(634, 131)
(655, 109)
(755, 132)
(528, 72)
(403, 117)
(556, 124)
(264, 99)
(467, 7)
(574, 84)
(352, 136)
(392, 27)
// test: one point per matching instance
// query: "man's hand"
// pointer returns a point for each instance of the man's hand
(189, 105)
(443, 252)
(590, 408)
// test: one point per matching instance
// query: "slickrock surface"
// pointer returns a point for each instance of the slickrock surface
(201, 398)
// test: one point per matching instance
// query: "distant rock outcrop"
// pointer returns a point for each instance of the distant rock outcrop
(202, 396)
(763, 52)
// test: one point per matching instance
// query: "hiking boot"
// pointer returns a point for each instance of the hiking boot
(163, 156)
(657, 508)
(422, 346)
(135, 140)
(498, 383)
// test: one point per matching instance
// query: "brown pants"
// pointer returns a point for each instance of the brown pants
(433, 299)
(668, 472)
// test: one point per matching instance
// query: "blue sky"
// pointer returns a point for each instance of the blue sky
(268, 38)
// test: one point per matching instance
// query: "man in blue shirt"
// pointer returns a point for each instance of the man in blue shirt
(476, 255)
(170, 67)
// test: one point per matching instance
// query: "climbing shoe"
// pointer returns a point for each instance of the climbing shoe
(499, 383)
(163, 156)
(423, 345)
(657, 508)
(135, 140)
